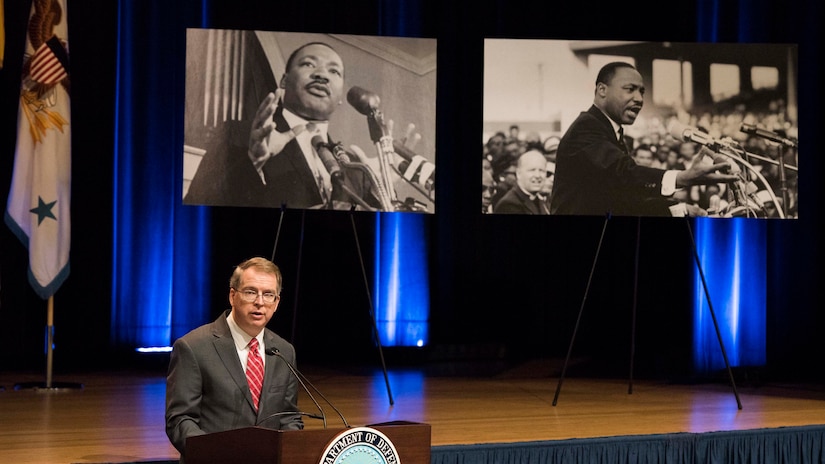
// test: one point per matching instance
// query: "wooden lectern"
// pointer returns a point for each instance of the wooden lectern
(260, 445)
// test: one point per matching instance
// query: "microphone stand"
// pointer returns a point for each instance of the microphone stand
(300, 380)
(304, 382)
(783, 181)
(738, 155)
(339, 182)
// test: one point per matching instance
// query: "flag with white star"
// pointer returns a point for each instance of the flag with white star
(38, 205)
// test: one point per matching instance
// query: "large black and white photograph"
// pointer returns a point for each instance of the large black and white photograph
(575, 127)
(309, 121)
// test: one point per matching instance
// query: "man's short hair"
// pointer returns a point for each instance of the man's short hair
(609, 70)
(262, 264)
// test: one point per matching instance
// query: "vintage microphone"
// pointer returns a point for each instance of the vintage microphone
(333, 165)
(777, 138)
(738, 197)
(743, 192)
(768, 135)
(367, 103)
(415, 169)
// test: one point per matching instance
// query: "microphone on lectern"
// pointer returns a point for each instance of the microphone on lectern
(302, 379)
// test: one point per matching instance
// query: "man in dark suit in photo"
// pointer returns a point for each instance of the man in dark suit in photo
(281, 165)
(595, 174)
(208, 386)
(525, 197)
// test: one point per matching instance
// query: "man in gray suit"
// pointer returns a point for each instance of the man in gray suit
(206, 387)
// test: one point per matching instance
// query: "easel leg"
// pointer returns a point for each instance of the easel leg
(581, 309)
(297, 276)
(366, 283)
(297, 271)
(635, 300)
(713, 313)
(372, 309)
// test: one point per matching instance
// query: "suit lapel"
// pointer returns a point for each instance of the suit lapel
(294, 155)
(225, 347)
(608, 127)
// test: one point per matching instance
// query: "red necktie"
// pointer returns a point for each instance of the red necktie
(254, 371)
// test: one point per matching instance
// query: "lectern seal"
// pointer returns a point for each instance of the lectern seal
(360, 445)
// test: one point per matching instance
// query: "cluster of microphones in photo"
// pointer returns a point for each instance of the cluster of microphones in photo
(414, 169)
(745, 196)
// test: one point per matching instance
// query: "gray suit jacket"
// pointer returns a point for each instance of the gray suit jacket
(207, 392)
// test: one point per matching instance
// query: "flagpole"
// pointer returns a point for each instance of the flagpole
(49, 384)
(49, 341)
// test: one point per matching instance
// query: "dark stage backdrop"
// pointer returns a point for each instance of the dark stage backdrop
(508, 286)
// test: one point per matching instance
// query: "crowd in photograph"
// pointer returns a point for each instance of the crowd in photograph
(768, 169)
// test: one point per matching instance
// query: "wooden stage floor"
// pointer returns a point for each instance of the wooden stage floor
(118, 417)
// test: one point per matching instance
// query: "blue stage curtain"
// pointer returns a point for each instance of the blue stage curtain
(401, 245)
(160, 257)
(401, 258)
(733, 255)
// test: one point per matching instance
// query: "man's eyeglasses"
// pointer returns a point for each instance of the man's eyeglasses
(491, 189)
(250, 296)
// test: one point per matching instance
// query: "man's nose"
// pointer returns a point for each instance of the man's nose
(320, 75)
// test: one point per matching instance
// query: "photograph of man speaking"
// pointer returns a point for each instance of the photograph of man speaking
(310, 139)
(718, 125)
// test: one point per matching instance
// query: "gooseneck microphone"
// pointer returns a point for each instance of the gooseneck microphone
(304, 382)
(690, 134)
(275, 352)
(287, 413)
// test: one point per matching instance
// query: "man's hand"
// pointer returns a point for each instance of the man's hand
(720, 170)
(264, 141)
(686, 210)
(695, 211)
(410, 138)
